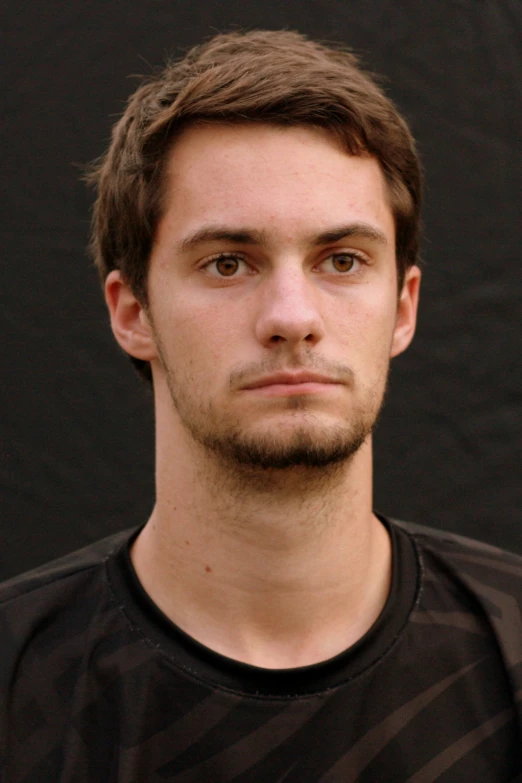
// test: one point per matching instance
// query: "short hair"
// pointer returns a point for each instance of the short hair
(263, 76)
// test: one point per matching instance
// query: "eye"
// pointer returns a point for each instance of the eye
(225, 265)
(344, 262)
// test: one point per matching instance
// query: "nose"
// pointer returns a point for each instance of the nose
(289, 309)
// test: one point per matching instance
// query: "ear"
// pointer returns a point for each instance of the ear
(129, 321)
(406, 311)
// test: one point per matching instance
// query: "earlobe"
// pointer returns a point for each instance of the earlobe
(406, 311)
(129, 321)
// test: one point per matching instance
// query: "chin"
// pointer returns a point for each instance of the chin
(310, 447)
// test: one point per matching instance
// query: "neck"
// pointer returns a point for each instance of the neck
(284, 570)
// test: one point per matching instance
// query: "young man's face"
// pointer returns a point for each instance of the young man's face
(273, 295)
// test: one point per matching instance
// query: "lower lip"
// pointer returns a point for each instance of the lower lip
(292, 389)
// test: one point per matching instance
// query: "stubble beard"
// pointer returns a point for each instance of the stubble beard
(311, 447)
(308, 444)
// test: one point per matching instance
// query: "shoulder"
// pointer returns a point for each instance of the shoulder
(57, 596)
(54, 621)
(52, 612)
(58, 572)
(465, 553)
(491, 578)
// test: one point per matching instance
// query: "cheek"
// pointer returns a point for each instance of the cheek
(201, 338)
(366, 330)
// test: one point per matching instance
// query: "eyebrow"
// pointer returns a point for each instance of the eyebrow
(351, 231)
(246, 236)
(240, 236)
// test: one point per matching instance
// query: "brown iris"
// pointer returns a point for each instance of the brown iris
(227, 265)
(343, 262)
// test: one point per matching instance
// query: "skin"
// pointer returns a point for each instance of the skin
(262, 544)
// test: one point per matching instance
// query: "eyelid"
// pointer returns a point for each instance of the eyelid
(225, 254)
(347, 252)
(358, 255)
(241, 257)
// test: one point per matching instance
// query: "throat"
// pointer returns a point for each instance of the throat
(276, 606)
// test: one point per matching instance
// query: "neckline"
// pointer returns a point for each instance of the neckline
(200, 662)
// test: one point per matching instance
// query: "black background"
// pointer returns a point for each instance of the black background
(76, 457)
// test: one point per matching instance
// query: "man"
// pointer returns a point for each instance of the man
(256, 231)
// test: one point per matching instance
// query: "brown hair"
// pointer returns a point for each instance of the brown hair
(277, 77)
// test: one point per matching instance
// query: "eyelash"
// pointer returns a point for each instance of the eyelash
(358, 257)
(223, 257)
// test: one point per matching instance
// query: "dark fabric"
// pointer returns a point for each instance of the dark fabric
(98, 685)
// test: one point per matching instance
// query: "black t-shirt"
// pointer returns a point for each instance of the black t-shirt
(97, 685)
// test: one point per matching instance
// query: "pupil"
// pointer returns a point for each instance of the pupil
(343, 263)
(227, 266)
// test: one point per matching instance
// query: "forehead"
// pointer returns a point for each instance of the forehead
(274, 178)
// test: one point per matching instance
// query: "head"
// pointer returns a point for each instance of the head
(258, 214)
(275, 77)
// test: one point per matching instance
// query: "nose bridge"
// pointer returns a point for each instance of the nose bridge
(289, 307)
(289, 280)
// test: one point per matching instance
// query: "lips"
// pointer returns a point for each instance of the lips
(290, 379)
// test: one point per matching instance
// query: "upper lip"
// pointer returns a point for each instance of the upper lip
(302, 376)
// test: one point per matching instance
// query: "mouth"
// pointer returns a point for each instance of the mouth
(288, 384)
